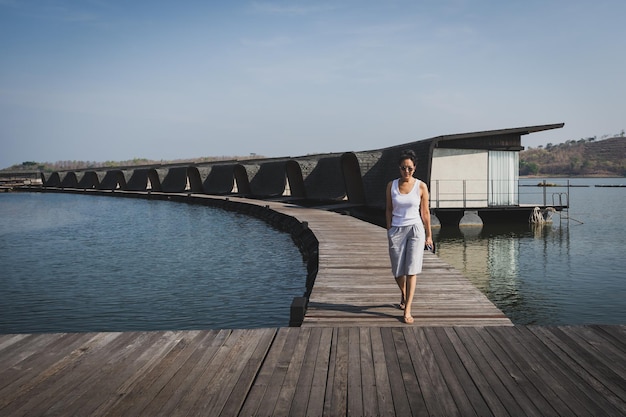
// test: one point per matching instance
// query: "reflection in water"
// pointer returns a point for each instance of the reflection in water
(499, 259)
(568, 272)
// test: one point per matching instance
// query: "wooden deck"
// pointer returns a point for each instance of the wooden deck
(351, 357)
(355, 287)
(316, 371)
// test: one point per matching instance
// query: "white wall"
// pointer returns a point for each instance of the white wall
(459, 178)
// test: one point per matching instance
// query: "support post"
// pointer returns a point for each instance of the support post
(298, 308)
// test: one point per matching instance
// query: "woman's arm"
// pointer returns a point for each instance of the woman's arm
(425, 212)
(388, 207)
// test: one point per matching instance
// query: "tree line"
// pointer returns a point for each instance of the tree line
(583, 157)
(82, 165)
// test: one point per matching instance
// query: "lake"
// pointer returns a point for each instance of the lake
(572, 271)
(74, 263)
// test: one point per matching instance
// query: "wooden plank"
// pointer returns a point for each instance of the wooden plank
(447, 371)
(526, 395)
(222, 379)
(591, 377)
(476, 398)
(318, 391)
(264, 377)
(213, 367)
(8, 340)
(55, 381)
(533, 370)
(398, 393)
(571, 388)
(616, 335)
(248, 374)
(290, 382)
(125, 375)
(368, 374)
(338, 376)
(300, 401)
(588, 360)
(495, 377)
(407, 371)
(473, 370)
(436, 397)
(178, 394)
(609, 354)
(384, 397)
(157, 379)
(270, 398)
(218, 370)
(25, 366)
(355, 378)
(49, 386)
(592, 361)
(21, 347)
(330, 387)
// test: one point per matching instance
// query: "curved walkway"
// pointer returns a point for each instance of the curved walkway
(354, 285)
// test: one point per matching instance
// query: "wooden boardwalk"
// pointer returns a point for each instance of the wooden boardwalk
(351, 357)
(318, 371)
(355, 287)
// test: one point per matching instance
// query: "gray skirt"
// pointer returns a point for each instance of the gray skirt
(406, 249)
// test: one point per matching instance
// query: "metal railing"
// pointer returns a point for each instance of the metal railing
(483, 193)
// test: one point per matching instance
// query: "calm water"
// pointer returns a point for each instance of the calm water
(564, 273)
(73, 263)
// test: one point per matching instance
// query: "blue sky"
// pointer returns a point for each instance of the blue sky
(105, 80)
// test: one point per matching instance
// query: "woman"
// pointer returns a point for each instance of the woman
(408, 229)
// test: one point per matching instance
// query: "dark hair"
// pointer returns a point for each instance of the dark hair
(407, 154)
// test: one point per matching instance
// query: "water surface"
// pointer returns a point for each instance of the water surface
(572, 271)
(72, 263)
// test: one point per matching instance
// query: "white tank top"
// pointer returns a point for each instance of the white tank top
(406, 207)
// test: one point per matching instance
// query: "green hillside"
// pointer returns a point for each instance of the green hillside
(585, 157)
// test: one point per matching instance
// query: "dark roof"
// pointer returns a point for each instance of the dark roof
(500, 132)
(501, 139)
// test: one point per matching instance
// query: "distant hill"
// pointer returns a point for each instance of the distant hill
(585, 157)
(70, 165)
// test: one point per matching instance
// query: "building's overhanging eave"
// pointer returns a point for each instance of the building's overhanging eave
(500, 132)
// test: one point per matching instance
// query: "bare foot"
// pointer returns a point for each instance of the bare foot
(408, 319)
(402, 305)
